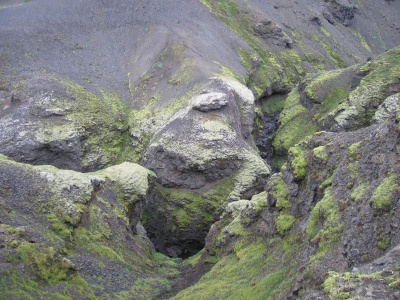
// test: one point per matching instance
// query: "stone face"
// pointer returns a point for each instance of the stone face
(129, 81)
(342, 10)
(196, 148)
(389, 109)
(271, 31)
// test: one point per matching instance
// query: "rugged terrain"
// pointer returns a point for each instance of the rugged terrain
(199, 149)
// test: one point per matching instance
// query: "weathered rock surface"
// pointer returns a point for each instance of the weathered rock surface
(342, 10)
(55, 122)
(340, 100)
(88, 85)
(68, 234)
(203, 160)
(333, 208)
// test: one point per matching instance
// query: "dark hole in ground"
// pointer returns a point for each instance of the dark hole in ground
(184, 250)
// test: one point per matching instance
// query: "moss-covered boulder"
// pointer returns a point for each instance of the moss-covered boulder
(57, 122)
(204, 158)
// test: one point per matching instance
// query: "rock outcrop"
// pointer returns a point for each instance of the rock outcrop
(78, 235)
(88, 93)
(203, 159)
(333, 209)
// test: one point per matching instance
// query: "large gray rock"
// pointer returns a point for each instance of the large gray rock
(203, 160)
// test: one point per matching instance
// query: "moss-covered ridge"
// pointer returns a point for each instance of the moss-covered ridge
(292, 237)
(345, 99)
(64, 234)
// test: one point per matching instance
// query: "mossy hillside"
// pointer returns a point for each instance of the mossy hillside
(15, 285)
(350, 285)
(100, 235)
(326, 202)
(49, 265)
(309, 108)
(266, 69)
(277, 192)
(284, 222)
(329, 100)
(237, 276)
(246, 265)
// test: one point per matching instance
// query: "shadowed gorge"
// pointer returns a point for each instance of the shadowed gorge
(199, 149)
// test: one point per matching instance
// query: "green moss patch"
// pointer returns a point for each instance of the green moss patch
(324, 224)
(320, 152)
(382, 197)
(284, 222)
(46, 262)
(237, 276)
(298, 162)
(295, 123)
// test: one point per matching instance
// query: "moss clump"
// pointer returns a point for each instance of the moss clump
(382, 197)
(48, 264)
(284, 222)
(383, 243)
(320, 152)
(354, 151)
(298, 162)
(358, 192)
(329, 283)
(324, 223)
(278, 191)
(14, 285)
(326, 183)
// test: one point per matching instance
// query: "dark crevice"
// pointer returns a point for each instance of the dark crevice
(266, 119)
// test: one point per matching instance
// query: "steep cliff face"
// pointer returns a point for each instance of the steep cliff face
(91, 89)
